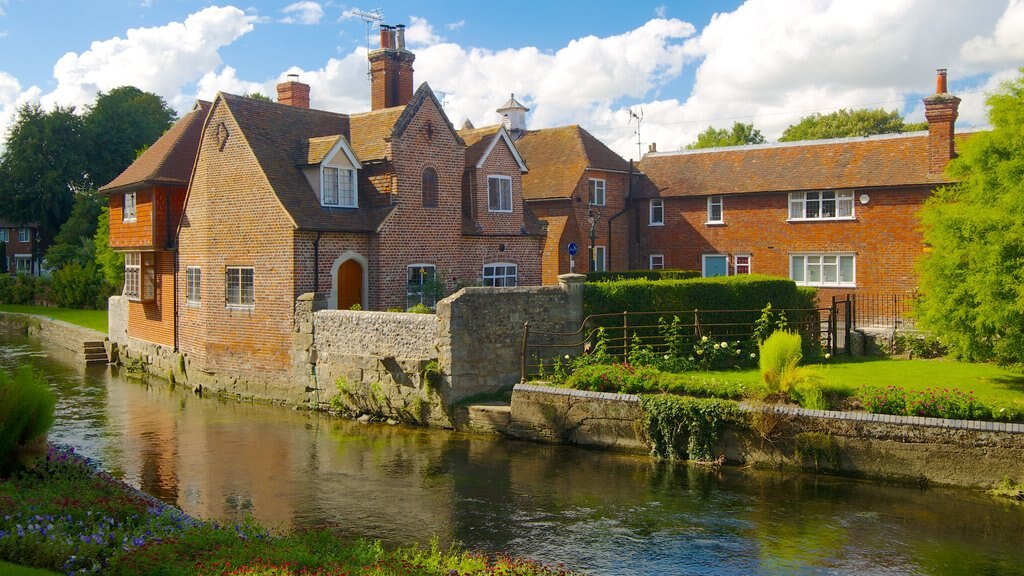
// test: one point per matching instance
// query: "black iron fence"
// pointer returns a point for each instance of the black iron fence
(888, 311)
(622, 331)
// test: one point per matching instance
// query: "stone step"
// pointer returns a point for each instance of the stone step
(490, 416)
(94, 353)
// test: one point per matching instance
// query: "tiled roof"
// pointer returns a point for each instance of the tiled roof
(477, 141)
(557, 158)
(889, 160)
(317, 148)
(170, 159)
(279, 137)
(370, 132)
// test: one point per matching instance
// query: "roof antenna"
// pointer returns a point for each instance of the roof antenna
(639, 117)
(371, 17)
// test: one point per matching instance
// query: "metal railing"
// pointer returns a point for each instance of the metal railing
(888, 311)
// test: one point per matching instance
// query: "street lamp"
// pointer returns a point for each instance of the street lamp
(593, 216)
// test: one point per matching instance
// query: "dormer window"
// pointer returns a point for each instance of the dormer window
(338, 187)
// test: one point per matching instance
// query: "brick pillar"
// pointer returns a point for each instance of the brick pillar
(940, 110)
(293, 92)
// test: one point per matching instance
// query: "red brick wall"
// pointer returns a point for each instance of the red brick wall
(132, 235)
(523, 251)
(500, 162)
(232, 218)
(154, 321)
(332, 247)
(885, 235)
(562, 229)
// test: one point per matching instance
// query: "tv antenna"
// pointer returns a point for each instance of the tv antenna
(639, 117)
(371, 17)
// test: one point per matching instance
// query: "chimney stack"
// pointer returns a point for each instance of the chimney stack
(941, 111)
(652, 147)
(293, 93)
(391, 70)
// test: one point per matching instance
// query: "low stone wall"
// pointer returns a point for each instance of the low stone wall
(55, 332)
(906, 449)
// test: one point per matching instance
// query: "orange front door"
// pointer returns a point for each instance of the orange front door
(350, 284)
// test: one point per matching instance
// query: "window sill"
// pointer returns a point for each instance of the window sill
(193, 304)
(338, 206)
(241, 307)
(843, 219)
(656, 224)
(490, 211)
(715, 223)
(825, 285)
(129, 221)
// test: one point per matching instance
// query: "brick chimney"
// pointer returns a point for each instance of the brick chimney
(293, 93)
(391, 70)
(940, 110)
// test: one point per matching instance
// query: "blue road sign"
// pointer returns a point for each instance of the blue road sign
(572, 248)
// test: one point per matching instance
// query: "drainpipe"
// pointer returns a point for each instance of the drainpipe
(625, 208)
(316, 262)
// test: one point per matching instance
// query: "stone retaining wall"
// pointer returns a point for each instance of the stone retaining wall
(907, 449)
(55, 332)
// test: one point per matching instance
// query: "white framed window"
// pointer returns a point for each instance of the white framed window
(595, 192)
(714, 265)
(239, 287)
(823, 269)
(139, 276)
(338, 187)
(821, 205)
(500, 274)
(193, 285)
(656, 262)
(24, 235)
(421, 285)
(129, 210)
(597, 264)
(23, 263)
(657, 212)
(4, 236)
(499, 194)
(741, 264)
(715, 206)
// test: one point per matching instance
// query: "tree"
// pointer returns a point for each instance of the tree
(845, 123)
(110, 263)
(972, 281)
(258, 96)
(118, 125)
(739, 135)
(42, 166)
(74, 241)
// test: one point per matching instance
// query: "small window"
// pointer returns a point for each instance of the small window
(657, 212)
(239, 287)
(656, 262)
(714, 210)
(24, 234)
(499, 193)
(823, 269)
(4, 237)
(129, 211)
(597, 264)
(429, 188)
(23, 264)
(741, 264)
(139, 276)
(501, 274)
(595, 192)
(338, 187)
(193, 285)
(825, 205)
(421, 285)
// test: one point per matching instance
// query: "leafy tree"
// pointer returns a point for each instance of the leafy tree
(110, 263)
(258, 96)
(119, 124)
(739, 135)
(74, 241)
(42, 166)
(973, 279)
(845, 123)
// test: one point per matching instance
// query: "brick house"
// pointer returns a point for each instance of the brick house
(372, 209)
(841, 215)
(21, 250)
(579, 188)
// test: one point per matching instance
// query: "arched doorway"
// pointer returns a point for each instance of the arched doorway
(348, 282)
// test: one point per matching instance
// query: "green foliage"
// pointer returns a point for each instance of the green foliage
(669, 421)
(1009, 489)
(258, 96)
(24, 289)
(818, 447)
(75, 286)
(769, 322)
(110, 263)
(780, 356)
(26, 411)
(622, 378)
(913, 346)
(667, 274)
(357, 307)
(936, 403)
(74, 242)
(134, 366)
(846, 123)
(972, 281)
(739, 135)
(432, 375)
(119, 124)
(420, 308)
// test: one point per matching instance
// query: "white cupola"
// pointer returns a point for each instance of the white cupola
(513, 116)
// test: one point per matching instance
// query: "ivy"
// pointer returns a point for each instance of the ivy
(668, 420)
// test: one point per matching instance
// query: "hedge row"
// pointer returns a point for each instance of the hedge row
(671, 274)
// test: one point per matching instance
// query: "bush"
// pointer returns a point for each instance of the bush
(780, 355)
(671, 420)
(646, 274)
(420, 308)
(622, 378)
(888, 400)
(79, 288)
(945, 403)
(23, 289)
(26, 411)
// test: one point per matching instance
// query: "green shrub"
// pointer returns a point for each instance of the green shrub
(671, 420)
(79, 288)
(622, 378)
(946, 403)
(420, 308)
(668, 274)
(23, 289)
(887, 400)
(26, 411)
(780, 355)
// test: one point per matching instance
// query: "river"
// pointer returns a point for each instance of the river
(597, 512)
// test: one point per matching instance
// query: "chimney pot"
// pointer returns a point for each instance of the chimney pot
(940, 82)
(400, 36)
(653, 147)
(385, 36)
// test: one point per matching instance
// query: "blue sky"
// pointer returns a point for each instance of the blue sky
(687, 65)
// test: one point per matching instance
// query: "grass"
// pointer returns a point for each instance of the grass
(9, 569)
(64, 515)
(92, 319)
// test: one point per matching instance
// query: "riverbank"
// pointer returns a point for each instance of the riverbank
(89, 346)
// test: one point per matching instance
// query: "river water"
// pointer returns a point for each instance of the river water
(597, 512)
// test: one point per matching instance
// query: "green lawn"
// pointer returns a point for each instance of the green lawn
(9, 569)
(94, 319)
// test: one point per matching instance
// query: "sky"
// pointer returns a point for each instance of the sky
(680, 66)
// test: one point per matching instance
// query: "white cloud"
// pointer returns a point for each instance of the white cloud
(661, 11)
(12, 97)
(420, 33)
(303, 13)
(1005, 46)
(161, 59)
(456, 25)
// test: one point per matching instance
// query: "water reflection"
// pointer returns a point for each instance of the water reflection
(600, 512)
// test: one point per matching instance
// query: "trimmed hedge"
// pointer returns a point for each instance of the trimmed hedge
(670, 274)
(746, 292)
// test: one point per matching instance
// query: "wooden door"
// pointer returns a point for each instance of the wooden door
(350, 284)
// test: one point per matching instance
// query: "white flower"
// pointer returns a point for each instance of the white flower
(827, 356)
(666, 356)
(703, 338)
(566, 356)
(699, 352)
(752, 355)
(724, 344)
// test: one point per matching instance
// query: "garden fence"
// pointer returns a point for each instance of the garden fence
(888, 311)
